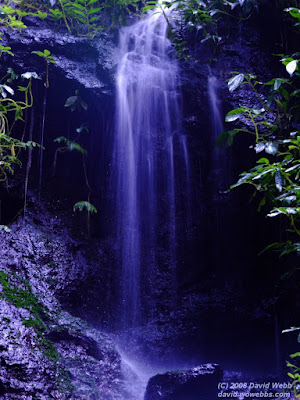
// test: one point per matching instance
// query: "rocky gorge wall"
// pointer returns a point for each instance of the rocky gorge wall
(225, 295)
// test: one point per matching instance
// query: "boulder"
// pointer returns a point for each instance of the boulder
(199, 383)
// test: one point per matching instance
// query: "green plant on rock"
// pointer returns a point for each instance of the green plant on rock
(84, 17)
(11, 111)
(76, 104)
(12, 17)
(273, 121)
(201, 17)
(46, 55)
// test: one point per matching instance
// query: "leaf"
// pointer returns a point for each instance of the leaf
(39, 53)
(260, 147)
(80, 13)
(291, 67)
(284, 210)
(271, 148)
(28, 75)
(295, 355)
(78, 6)
(9, 89)
(71, 101)
(94, 10)
(263, 161)
(292, 329)
(42, 15)
(277, 84)
(235, 82)
(70, 144)
(295, 12)
(147, 8)
(233, 115)
(83, 104)
(85, 204)
(5, 228)
(82, 128)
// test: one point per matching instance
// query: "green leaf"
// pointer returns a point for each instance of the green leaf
(263, 161)
(235, 114)
(147, 8)
(42, 15)
(94, 10)
(78, 6)
(85, 205)
(39, 53)
(295, 355)
(295, 12)
(80, 13)
(235, 82)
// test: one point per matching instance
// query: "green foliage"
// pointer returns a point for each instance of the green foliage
(271, 124)
(294, 365)
(201, 17)
(76, 102)
(83, 16)
(80, 17)
(273, 121)
(69, 145)
(46, 55)
(12, 17)
(5, 49)
(85, 205)
(12, 110)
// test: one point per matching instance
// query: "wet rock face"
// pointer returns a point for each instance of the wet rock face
(199, 383)
(23, 367)
(45, 353)
(88, 62)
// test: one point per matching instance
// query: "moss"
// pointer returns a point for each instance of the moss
(21, 298)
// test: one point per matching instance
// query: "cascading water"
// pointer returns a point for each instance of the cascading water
(216, 128)
(147, 155)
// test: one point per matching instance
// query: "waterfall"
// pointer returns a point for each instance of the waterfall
(147, 156)
(217, 126)
(220, 168)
